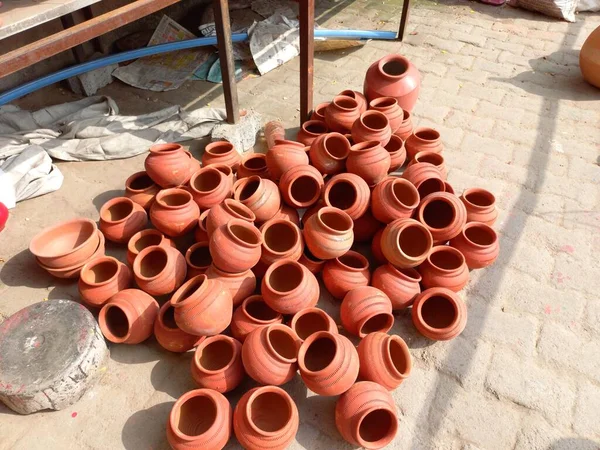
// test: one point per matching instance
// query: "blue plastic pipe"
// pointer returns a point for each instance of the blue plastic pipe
(78, 69)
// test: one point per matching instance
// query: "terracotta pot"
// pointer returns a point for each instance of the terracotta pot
(169, 335)
(341, 114)
(365, 416)
(266, 417)
(480, 205)
(384, 359)
(311, 262)
(328, 363)
(372, 126)
(253, 313)
(376, 247)
(281, 240)
(199, 419)
(274, 131)
(121, 218)
(240, 285)
(269, 354)
(287, 213)
(328, 233)
(159, 270)
(209, 187)
(443, 214)
(444, 267)
(259, 195)
(194, 166)
(328, 153)
(221, 152)
(400, 285)
(236, 246)
(433, 158)
(389, 107)
(101, 278)
(198, 259)
(140, 188)
(301, 186)
(350, 140)
(253, 164)
(405, 130)
(217, 364)
(365, 227)
(426, 178)
(224, 212)
(406, 243)
(365, 310)
(174, 212)
(203, 307)
(370, 161)
(589, 62)
(345, 273)
(397, 153)
(310, 130)
(319, 112)
(200, 233)
(448, 188)
(128, 318)
(439, 314)
(283, 156)
(360, 99)
(311, 211)
(308, 321)
(423, 139)
(348, 192)
(288, 287)
(393, 76)
(394, 198)
(168, 165)
(478, 243)
(144, 239)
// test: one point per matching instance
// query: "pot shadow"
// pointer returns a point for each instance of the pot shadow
(67, 290)
(147, 351)
(23, 270)
(574, 443)
(171, 374)
(105, 196)
(7, 411)
(146, 428)
(405, 328)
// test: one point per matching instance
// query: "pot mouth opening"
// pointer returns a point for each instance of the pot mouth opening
(100, 272)
(174, 198)
(260, 311)
(255, 162)
(374, 120)
(219, 148)
(168, 318)
(118, 211)
(145, 240)
(164, 148)
(383, 102)
(344, 102)
(399, 356)
(335, 221)
(196, 415)
(480, 198)
(140, 182)
(305, 190)
(379, 322)
(282, 342)
(480, 234)
(377, 428)
(427, 134)
(395, 144)
(188, 289)
(320, 353)
(285, 277)
(202, 220)
(396, 66)
(244, 232)
(281, 237)
(429, 157)
(237, 209)
(430, 186)
(439, 312)
(320, 109)
(117, 322)
(153, 262)
(314, 127)
(207, 180)
(405, 193)
(348, 93)
(199, 256)
(310, 323)
(223, 168)
(409, 272)
(337, 146)
(364, 146)
(215, 355)
(249, 188)
(446, 258)
(269, 412)
(438, 214)
(414, 241)
(354, 260)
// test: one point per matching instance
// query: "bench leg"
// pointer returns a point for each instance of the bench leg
(403, 19)
(307, 53)
(223, 28)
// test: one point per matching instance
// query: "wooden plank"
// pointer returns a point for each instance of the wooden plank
(307, 54)
(403, 19)
(223, 29)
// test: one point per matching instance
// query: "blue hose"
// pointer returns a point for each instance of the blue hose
(78, 69)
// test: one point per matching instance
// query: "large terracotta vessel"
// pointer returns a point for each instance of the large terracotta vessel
(394, 198)
(224, 212)
(589, 58)
(140, 188)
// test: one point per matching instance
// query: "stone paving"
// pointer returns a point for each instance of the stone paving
(503, 87)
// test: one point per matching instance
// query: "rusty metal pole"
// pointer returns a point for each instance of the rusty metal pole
(307, 53)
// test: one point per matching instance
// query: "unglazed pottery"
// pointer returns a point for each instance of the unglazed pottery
(370, 161)
(365, 310)
(169, 335)
(423, 139)
(310, 130)
(283, 156)
(328, 153)
(425, 177)
(144, 239)
(372, 126)
(311, 262)
(217, 364)
(259, 195)
(348, 192)
(478, 243)
(198, 259)
(341, 113)
(308, 321)
(287, 212)
(253, 313)
(288, 287)
(236, 246)
(394, 198)
(589, 58)
(365, 227)
(121, 218)
(397, 152)
(433, 158)
(140, 188)
(405, 130)
(301, 186)
(200, 233)
(361, 100)
(439, 314)
(221, 152)
(328, 233)
(376, 247)
(400, 285)
(168, 165)
(253, 164)
(224, 212)
(346, 272)
(159, 270)
(481, 206)
(384, 359)
(281, 240)
(101, 278)
(319, 111)
(443, 214)
(389, 107)
(444, 267)
(239, 284)
(274, 131)
(174, 212)
(406, 243)
(209, 187)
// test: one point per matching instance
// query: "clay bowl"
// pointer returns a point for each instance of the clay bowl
(67, 244)
(73, 271)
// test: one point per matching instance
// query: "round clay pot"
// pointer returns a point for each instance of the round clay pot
(589, 63)
(240, 285)
(365, 227)
(311, 262)
(253, 164)
(376, 247)
(217, 364)
(194, 166)
(140, 188)
(225, 170)
(448, 188)
(405, 130)
(433, 158)
(348, 192)
(128, 317)
(389, 107)
(144, 239)
(198, 259)
(372, 126)
(159, 270)
(287, 213)
(394, 198)
(341, 114)
(209, 187)
(346, 272)
(310, 130)
(169, 335)
(328, 233)
(221, 152)
(361, 100)
(199, 419)
(328, 363)
(312, 210)
(365, 416)
(174, 212)
(236, 246)
(439, 314)
(168, 165)
(259, 195)
(444, 267)
(481, 206)
(478, 243)
(443, 214)
(266, 417)
(281, 240)
(319, 112)
(203, 307)
(400, 285)
(370, 161)
(273, 131)
(397, 152)
(200, 233)
(426, 178)
(270, 354)
(283, 156)
(101, 278)
(328, 153)
(406, 243)
(224, 212)
(365, 310)
(384, 359)
(253, 313)
(301, 186)
(121, 218)
(308, 321)
(423, 139)
(288, 287)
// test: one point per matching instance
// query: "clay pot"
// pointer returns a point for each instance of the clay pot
(253, 313)
(195, 165)
(269, 354)
(259, 195)
(168, 165)
(159, 270)
(439, 314)
(121, 218)
(224, 212)
(209, 187)
(328, 153)
(140, 188)
(443, 214)
(365, 310)
(101, 278)
(370, 161)
(240, 285)
(288, 287)
(426, 178)
(384, 359)
(393, 76)
(341, 114)
(217, 364)
(236, 246)
(397, 152)
(394, 198)
(328, 233)
(203, 307)
(199, 419)
(169, 335)
(128, 317)
(319, 112)
(400, 285)
(310, 130)
(365, 227)
(174, 212)
(405, 130)
(281, 240)
(478, 243)
(365, 416)
(221, 152)
(311, 211)
(480, 205)
(198, 259)
(144, 239)
(423, 139)
(388, 106)
(448, 188)
(444, 267)
(328, 363)
(308, 321)
(274, 131)
(301, 186)
(225, 170)
(361, 100)
(345, 273)
(253, 164)
(372, 126)
(266, 417)
(433, 158)
(311, 262)
(376, 247)
(406, 243)
(588, 58)
(287, 213)
(283, 156)
(348, 192)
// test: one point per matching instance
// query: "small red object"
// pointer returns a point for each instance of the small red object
(3, 215)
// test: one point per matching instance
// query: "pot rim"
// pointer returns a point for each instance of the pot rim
(339, 212)
(140, 234)
(404, 276)
(418, 130)
(482, 225)
(341, 178)
(446, 248)
(189, 251)
(364, 146)
(116, 201)
(289, 142)
(237, 350)
(57, 272)
(46, 231)
(405, 350)
(326, 137)
(477, 190)
(318, 123)
(202, 171)
(164, 192)
(437, 292)
(251, 217)
(176, 299)
(160, 318)
(388, 327)
(374, 112)
(414, 223)
(319, 110)
(429, 153)
(165, 148)
(175, 411)
(308, 342)
(248, 226)
(312, 310)
(436, 196)
(289, 332)
(138, 261)
(103, 324)
(212, 145)
(313, 176)
(202, 220)
(389, 58)
(375, 103)
(395, 137)
(339, 98)
(134, 177)
(96, 261)
(255, 299)
(276, 265)
(292, 225)
(274, 390)
(386, 439)
(360, 256)
(408, 184)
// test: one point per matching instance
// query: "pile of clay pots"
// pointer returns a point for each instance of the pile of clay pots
(246, 293)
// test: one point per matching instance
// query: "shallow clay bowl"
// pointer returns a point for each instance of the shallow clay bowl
(67, 244)
(73, 271)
